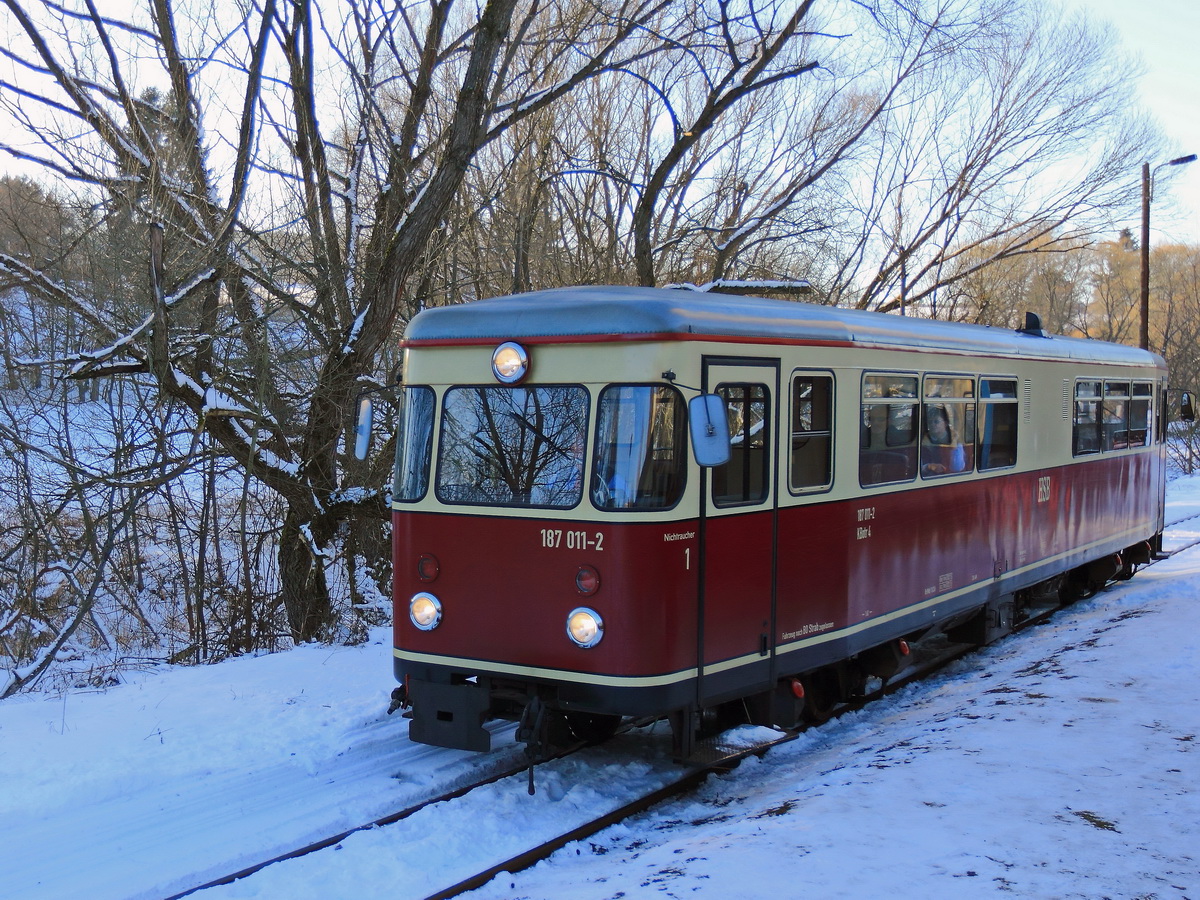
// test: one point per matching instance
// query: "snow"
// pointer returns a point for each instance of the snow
(761, 285)
(220, 404)
(1060, 762)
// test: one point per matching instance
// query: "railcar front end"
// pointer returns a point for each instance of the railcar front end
(545, 538)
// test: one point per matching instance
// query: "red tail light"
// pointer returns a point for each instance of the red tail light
(587, 581)
(427, 567)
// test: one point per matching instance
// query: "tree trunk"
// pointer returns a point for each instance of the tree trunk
(302, 574)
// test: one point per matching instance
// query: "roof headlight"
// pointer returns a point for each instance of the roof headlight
(585, 628)
(425, 611)
(510, 363)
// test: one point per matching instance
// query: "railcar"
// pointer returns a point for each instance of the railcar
(619, 502)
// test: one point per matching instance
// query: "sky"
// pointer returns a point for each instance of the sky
(1165, 33)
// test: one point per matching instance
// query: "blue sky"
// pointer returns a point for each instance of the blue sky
(1166, 34)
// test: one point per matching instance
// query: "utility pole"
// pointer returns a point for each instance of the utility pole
(1144, 317)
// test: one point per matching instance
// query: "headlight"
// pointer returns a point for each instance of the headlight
(585, 627)
(510, 363)
(425, 610)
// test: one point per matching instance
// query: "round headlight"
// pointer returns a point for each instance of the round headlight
(425, 610)
(585, 627)
(510, 363)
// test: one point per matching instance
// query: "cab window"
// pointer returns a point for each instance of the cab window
(1141, 414)
(997, 423)
(414, 440)
(1087, 418)
(640, 459)
(1115, 428)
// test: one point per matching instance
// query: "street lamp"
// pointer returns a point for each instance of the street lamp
(1144, 322)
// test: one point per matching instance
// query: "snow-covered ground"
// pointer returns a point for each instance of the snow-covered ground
(1061, 762)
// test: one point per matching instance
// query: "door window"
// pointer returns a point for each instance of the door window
(746, 477)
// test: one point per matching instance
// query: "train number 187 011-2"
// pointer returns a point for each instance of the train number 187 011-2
(556, 538)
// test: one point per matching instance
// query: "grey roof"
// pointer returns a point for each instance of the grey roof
(634, 312)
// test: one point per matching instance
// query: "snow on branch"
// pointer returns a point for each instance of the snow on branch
(218, 404)
(734, 286)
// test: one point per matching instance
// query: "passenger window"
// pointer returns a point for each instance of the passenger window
(888, 434)
(1115, 430)
(745, 478)
(1087, 419)
(1141, 414)
(997, 423)
(812, 432)
(948, 426)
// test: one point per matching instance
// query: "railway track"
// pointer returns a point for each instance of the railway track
(715, 755)
(718, 754)
(1181, 547)
(1182, 520)
(1189, 545)
(333, 840)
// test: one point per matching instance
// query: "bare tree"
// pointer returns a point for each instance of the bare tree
(882, 153)
(1018, 144)
(1048, 279)
(306, 211)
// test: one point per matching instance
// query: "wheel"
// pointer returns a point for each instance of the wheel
(822, 694)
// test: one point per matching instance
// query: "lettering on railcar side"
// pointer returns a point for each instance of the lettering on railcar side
(670, 536)
(557, 538)
(864, 514)
(1043, 489)
(679, 535)
(805, 631)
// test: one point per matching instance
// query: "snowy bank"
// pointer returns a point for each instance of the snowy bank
(1061, 762)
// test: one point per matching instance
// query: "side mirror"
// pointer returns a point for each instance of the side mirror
(710, 430)
(362, 427)
(1187, 412)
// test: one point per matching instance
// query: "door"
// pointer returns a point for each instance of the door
(738, 534)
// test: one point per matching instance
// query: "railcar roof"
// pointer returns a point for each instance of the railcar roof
(657, 313)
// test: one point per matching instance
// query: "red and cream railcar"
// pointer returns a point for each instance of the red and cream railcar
(559, 550)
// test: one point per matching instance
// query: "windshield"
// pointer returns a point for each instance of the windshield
(505, 446)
